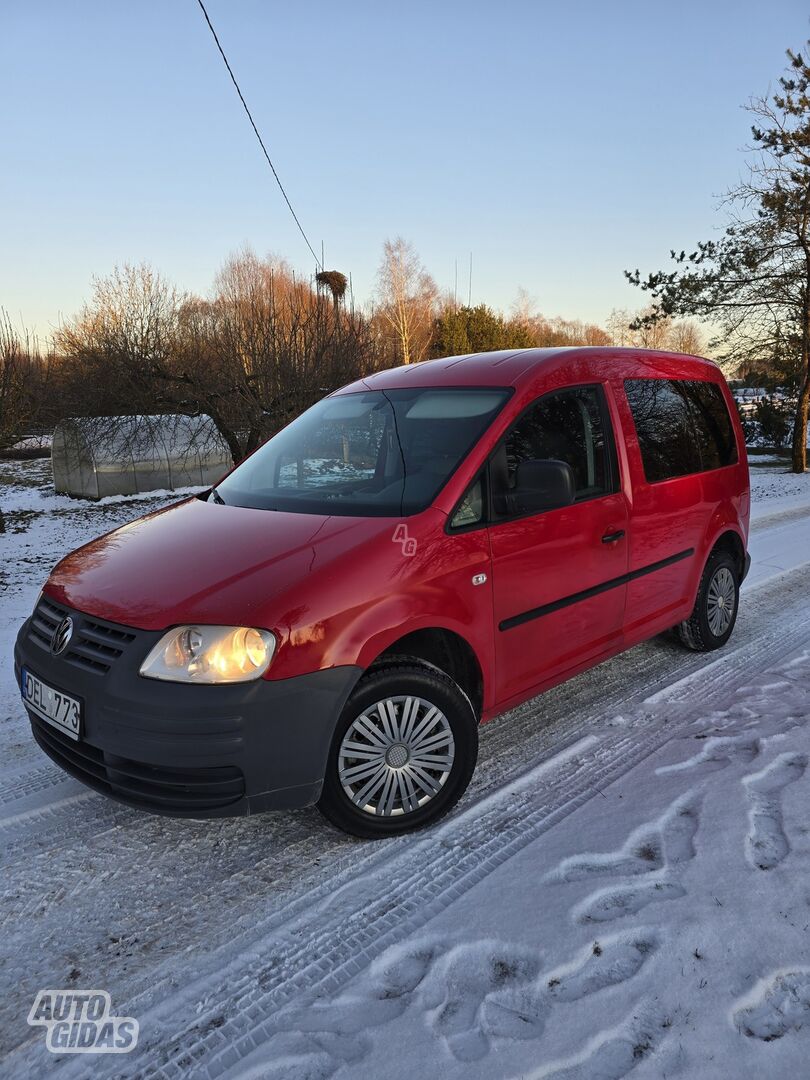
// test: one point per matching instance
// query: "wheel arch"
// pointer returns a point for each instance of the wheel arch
(731, 541)
(445, 649)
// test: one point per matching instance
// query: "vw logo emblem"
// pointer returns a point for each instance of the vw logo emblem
(61, 636)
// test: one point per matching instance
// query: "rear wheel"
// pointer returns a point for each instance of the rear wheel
(715, 612)
(403, 751)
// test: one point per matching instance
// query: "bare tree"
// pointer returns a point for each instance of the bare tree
(685, 336)
(543, 332)
(407, 299)
(618, 327)
(273, 346)
(14, 405)
(650, 333)
(122, 343)
(523, 311)
(595, 335)
(556, 332)
(24, 386)
(264, 346)
(11, 391)
(639, 330)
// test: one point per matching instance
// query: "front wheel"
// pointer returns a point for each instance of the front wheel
(403, 752)
(715, 611)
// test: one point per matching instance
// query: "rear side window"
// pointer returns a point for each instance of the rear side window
(713, 427)
(683, 427)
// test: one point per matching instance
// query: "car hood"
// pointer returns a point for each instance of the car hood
(202, 562)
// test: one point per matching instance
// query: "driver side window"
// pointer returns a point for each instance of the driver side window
(567, 425)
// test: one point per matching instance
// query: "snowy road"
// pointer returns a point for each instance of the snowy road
(625, 886)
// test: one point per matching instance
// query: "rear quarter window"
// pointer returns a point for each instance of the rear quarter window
(683, 427)
(715, 432)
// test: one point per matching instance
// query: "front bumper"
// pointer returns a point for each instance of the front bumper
(171, 748)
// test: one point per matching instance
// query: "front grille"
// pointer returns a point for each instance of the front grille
(95, 645)
(150, 787)
(47, 616)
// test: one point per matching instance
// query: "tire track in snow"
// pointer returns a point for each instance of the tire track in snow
(662, 661)
(666, 667)
(516, 731)
(523, 719)
(777, 518)
(30, 782)
(178, 918)
(242, 928)
(324, 861)
(425, 878)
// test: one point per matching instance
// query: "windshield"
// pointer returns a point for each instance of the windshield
(376, 453)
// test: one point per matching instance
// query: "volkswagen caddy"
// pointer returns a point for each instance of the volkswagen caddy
(415, 554)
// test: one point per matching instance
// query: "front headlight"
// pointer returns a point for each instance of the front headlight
(210, 654)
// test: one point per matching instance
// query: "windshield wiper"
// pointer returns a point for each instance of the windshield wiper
(217, 497)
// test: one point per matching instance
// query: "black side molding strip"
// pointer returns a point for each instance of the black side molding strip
(586, 594)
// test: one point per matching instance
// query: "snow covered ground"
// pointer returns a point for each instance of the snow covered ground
(625, 887)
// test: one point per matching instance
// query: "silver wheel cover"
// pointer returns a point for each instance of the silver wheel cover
(721, 601)
(396, 756)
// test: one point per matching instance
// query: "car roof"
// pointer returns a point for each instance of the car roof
(514, 367)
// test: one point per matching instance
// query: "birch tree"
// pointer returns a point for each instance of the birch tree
(407, 297)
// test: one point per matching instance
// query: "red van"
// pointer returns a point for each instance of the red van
(415, 554)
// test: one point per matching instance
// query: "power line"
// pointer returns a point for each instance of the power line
(258, 136)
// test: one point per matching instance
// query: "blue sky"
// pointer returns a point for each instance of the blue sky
(559, 142)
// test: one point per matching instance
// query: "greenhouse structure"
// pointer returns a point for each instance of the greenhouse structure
(93, 457)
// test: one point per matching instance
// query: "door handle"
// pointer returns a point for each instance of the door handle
(612, 537)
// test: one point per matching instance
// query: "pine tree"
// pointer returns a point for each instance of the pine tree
(754, 282)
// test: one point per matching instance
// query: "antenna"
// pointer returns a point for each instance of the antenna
(469, 294)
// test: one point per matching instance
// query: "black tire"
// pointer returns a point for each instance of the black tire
(406, 678)
(697, 632)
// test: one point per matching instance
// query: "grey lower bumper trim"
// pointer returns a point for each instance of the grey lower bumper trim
(192, 751)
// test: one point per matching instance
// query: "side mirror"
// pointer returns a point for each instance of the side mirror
(542, 485)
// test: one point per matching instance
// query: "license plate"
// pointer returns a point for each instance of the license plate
(55, 707)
